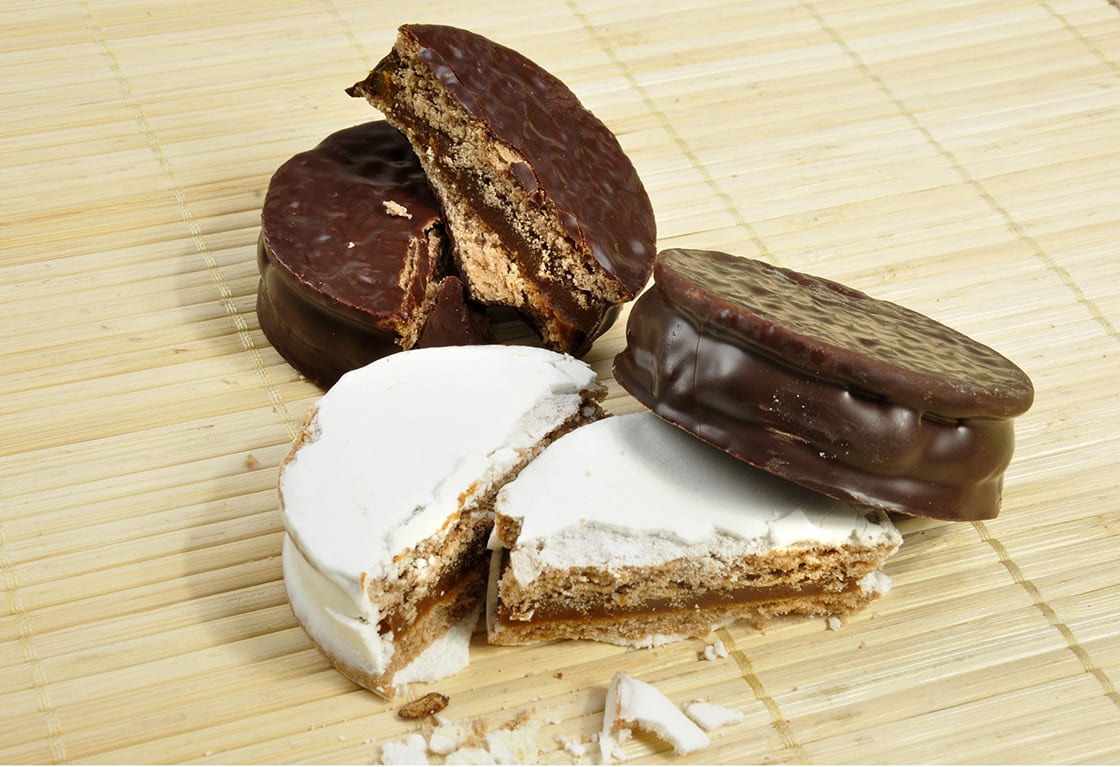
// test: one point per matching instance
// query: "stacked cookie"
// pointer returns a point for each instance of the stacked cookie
(789, 415)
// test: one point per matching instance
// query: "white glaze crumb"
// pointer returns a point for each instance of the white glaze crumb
(632, 703)
(466, 741)
(711, 716)
(834, 623)
(715, 650)
(574, 747)
(514, 746)
(412, 750)
(448, 736)
(470, 755)
(875, 582)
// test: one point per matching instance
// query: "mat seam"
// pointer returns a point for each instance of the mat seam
(1049, 613)
(777, 719)
(229, 305)
(351, 38)
(1076, 34)
(31, 658)
(1009, 221)
(729, 205)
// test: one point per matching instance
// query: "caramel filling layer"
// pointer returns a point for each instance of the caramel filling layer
(548, 611)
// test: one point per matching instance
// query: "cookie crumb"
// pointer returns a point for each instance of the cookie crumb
(396, 209)
(430, 704)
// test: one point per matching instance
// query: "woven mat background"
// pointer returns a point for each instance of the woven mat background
(960, 157)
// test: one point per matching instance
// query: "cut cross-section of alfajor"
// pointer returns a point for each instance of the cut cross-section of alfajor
(630, 531)
(386, 498)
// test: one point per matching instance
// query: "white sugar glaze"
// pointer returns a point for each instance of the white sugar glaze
(633, 490)
(391, 454)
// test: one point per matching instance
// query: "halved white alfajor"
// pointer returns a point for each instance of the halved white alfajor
(631, 531)
(386, 499)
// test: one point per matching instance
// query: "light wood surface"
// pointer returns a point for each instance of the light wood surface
(962, 158)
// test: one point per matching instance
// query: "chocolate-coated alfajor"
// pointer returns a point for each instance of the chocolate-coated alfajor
(545, 211)
(353, 257)
(855, 397)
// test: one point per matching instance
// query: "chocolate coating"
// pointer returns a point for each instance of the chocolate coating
(778, 369)
(453, 320)
(322, 342)
(571, 157)
(545, 212)
(343, 277)
(317, 336)
(325, 222)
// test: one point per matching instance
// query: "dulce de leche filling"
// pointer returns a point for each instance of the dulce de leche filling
(820, 434)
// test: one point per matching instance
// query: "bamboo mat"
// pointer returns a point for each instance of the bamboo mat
(958, 156)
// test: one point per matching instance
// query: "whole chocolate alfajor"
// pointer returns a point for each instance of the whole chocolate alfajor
(546, 212)
(353, 257)
(852, 396)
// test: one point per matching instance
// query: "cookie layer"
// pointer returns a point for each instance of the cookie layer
(824, 385)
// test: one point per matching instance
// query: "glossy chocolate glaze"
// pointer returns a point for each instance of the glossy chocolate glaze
(839, 334)
(572, 157)
(342, 276)
(320, 339)
(324, 221)
(579, 323)
(316, 335)
(702, 360)
(453, 320)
